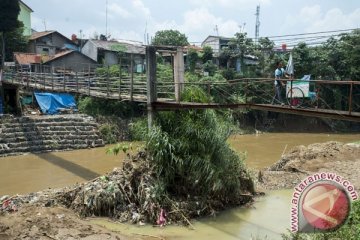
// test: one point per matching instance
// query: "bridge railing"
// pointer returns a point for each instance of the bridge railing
(92, 82)
(324, 95)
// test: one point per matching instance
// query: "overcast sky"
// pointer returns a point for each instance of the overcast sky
(130, 19)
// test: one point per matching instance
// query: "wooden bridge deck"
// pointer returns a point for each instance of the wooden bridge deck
(334, 114)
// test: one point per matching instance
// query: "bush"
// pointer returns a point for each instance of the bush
(109, 133)
(106, 107)
(139, 130)
(190, 154)
(228, 74)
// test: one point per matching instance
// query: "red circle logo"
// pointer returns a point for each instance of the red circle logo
(325, 206)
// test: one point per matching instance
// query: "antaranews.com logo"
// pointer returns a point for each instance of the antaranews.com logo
(321, 203)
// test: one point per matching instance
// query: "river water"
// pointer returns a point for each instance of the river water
(268, 217)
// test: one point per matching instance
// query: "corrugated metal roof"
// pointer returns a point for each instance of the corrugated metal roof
(129, 48)
(59, 55)
(65, 53)
(27, 58)
(37, 35)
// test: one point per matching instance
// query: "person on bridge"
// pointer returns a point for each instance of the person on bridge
(279, 84)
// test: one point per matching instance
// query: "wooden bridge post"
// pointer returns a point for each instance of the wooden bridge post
(52, 78)
(107, 82)
(77, 81)
(44, 78)
(151, 83)
(350, 98)
(64, 78)
(179, 73)
(132, 77)
(120, 75)
(89, 81)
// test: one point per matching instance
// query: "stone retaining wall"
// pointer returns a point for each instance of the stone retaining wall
(19, 135)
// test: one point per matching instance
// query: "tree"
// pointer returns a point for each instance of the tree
(170, 38)
(8, 21)
(238, 47)
(15, 42)
(192, 57)
(241, 45)
(265, 53)
(207, 54)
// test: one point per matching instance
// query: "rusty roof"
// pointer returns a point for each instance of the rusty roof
(37, 35)
(27, 58)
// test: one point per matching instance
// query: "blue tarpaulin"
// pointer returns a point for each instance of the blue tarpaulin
(51, 103)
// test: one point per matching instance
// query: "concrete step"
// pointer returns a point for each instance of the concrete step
(54, 128)
(8, 127)
(54, 143)
(47, 135)
(45, 148)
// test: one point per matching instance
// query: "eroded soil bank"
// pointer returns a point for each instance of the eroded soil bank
(302, 161)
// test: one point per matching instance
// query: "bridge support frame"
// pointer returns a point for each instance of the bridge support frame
(179, 73)
(151, 83)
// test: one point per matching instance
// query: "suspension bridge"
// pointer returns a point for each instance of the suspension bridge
(329, 99)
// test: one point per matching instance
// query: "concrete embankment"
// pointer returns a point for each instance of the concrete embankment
(19, 135)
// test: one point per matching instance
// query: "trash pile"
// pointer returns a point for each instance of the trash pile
(47, 198)
(124, 194)
(133, 194)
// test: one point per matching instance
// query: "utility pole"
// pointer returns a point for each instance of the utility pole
(216, 30)
(257, 24)
(106, 21)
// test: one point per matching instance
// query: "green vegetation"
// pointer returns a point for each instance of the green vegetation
(349, 231)
(170, 37)
(191, 156)
(112, 115)
(8, 23)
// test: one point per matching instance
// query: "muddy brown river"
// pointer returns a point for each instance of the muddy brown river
(268, 218)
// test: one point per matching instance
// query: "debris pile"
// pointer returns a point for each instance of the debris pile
(133, 194)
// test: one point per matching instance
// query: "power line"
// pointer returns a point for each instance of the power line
(301, 34)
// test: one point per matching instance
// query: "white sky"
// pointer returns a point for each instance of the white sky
(128, 19)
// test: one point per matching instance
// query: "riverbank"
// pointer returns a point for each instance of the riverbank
(38, 209)
(302, 161)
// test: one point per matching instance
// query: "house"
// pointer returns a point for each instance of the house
(49, 43)
(217, 43)
(105, 52)
(70, 60)
(29, 62)
(25, 17)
